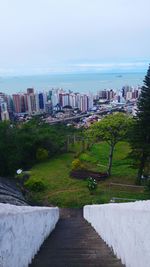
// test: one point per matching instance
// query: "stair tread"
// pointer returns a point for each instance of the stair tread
(74, 243)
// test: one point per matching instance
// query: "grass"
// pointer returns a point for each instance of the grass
(121, 169)
(64, 191)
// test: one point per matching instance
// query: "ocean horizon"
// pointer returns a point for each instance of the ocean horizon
(79, 82)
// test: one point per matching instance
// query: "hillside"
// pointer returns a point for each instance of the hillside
(64, 191)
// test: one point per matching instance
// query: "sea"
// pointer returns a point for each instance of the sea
(79, 82)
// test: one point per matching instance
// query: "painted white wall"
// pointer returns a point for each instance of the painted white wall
(124, 227)
(22, 231)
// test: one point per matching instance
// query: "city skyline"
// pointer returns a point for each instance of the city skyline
(58, 100)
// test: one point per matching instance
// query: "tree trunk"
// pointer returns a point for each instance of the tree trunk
(141, 167)
(110, 159)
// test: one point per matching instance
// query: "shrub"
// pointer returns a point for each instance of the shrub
(22, 177)
(41, 154)
(19, 176)
(36, 185)
(77, 165)
(92, 184)
(85, 157)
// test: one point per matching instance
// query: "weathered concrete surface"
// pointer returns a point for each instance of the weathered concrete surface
(22, 231)
(10, 193)
(125, 228)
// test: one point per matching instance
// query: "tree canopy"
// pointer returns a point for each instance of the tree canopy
(112, 129)
(140, 137)
(20, 144)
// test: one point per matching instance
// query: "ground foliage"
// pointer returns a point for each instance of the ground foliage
(65, 191)
(20, 144)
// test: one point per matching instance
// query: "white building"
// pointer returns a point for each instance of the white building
(3, 111)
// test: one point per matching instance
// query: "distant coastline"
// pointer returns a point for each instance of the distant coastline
(79, 82)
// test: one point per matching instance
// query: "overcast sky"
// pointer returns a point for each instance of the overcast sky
(71, 35)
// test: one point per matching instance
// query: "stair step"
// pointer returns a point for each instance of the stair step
(74, 243)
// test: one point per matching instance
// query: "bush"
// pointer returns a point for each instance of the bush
(77, 165)
(85, 157)
(19, 176)
(36, 185)
(92, 184)
(41, 154)
(22, 177)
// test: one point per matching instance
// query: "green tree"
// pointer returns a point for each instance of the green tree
(112, 129)
(140, 135)
(9, 159)
(19, 143)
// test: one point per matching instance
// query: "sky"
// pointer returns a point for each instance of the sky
(42, 36)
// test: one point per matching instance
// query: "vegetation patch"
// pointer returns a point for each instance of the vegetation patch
(64, 191)
(36, 185)
(92, 185)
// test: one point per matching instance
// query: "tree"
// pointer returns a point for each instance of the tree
(111, 129)
(140, 137)
(20, 145)
(9, 159)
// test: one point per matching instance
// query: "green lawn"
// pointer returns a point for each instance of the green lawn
(121, 169)
(64, 191)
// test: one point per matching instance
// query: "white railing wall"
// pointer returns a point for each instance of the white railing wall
(126, 228)
(22, 231)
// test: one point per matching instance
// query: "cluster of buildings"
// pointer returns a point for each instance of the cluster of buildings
(130, 93)
(33, 102)
(105, 95)
(127, 93)
(55, 100)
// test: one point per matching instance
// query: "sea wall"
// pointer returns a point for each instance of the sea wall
(125, 228)
(22, 231)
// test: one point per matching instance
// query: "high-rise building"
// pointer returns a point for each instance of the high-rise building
(84, 103)
(90, 102)
(30, 91)
(17, 103)
(55, 97)
(4, 115)
(72, 100)
(109, 95)
(102, 94)
(31, 101)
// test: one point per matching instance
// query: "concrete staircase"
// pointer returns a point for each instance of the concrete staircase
(74, 243)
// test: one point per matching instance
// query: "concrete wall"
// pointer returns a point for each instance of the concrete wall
(124, 227)
(22, 231)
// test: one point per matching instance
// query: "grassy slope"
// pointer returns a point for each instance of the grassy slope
(67, 192)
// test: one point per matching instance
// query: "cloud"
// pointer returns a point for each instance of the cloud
(113, 66)
(78, 68)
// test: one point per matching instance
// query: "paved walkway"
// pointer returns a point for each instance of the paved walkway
(74, 243)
